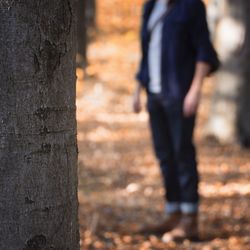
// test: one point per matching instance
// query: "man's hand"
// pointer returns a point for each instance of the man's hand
(136, 103)
(136, 100)
(191, 102)
(192, 99)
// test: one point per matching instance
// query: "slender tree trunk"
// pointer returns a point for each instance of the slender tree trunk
(82, 34)
(229, 119)
(91, 14)
(243, 115)
(38, 149)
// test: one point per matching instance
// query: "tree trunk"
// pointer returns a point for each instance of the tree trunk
(91, 14)
(38, 148)
(243, 115)
(229, 120)
(82, 34)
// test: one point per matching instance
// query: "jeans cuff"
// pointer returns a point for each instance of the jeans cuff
(172, 207)
(189, 207)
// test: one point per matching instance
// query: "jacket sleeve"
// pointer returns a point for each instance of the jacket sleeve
(204, 50)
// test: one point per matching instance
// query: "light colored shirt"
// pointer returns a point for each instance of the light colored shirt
(154, 55)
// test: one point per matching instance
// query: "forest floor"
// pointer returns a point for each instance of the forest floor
(120, 187)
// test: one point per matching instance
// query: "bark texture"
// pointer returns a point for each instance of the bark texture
(229, 119)
(38, 148)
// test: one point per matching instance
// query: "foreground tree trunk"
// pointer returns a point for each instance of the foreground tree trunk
(38, 151)
(229, 120)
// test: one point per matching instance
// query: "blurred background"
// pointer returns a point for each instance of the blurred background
(119, 181)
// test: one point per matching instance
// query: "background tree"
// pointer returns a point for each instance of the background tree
(38, 149)
(229, 118)
(82, 34)
(86, 25)
(91, 14)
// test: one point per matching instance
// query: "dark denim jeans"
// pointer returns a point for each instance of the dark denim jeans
(172, 135)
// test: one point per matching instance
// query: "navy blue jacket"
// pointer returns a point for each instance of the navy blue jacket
(185, 41)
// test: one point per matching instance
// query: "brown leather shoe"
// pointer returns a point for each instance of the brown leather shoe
(169, 223)
(186, 229)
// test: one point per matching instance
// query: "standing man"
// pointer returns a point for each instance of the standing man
(176, 57)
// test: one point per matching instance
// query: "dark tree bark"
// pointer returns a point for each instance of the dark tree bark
(82, 34)
(229, 119)
(38, 148)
